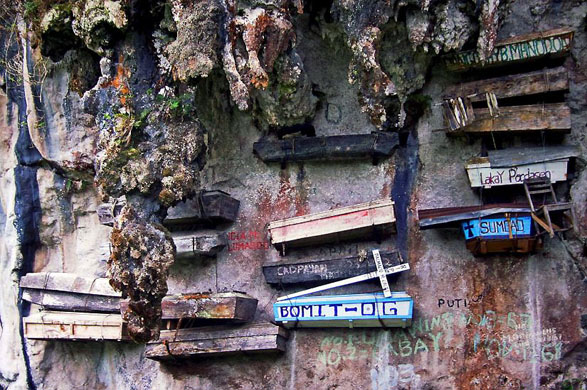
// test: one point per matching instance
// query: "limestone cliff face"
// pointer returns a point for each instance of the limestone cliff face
(155, 100)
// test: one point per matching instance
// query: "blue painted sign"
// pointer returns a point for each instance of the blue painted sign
(353, 310)
(498, 228)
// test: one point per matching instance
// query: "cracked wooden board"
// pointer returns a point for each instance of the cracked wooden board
(217, 341)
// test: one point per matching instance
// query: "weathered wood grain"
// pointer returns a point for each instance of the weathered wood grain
(341, 223)
(58, 281)
(74, 326)
(541, 81)
(552, 117)
(374, 145)
(289, 272)
(214, 341)
(199, 243)
(231, 306)
(67, 301)
(207, 207)
(516, 49)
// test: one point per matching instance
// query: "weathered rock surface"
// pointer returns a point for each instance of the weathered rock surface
(174, 105)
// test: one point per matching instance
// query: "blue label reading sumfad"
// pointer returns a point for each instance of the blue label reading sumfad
(498, 227)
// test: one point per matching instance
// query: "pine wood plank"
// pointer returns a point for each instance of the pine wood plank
(338, 222)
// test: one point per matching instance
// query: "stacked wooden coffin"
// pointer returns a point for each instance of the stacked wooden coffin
(512, 104)
(204, 324)
(349, 310)
(193, 223)
(78, 308)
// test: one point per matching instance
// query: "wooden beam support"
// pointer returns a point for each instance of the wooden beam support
(355, 146)
(216, 341)
(542, 81)
(318, 270)
(231, 306)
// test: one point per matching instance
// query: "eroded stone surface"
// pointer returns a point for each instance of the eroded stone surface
(160, 130)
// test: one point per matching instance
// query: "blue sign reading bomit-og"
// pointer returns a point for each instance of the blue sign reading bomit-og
(498, 228)
(354, 310)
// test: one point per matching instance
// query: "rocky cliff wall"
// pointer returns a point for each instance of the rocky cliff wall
(154, 100)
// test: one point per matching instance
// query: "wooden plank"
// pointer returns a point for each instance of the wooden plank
(516, 49)
(345, 282)
(482, 174)
(290, 272)
(353, 310)
(332, 224)
(207, 207)
(531, 83)
(520, 156)
(200, 243)
(67, 282)
(232, 306)
(67, 301)
(381, 273)
(551, 117)
(74, 326)
(196, 342)
(355, 146)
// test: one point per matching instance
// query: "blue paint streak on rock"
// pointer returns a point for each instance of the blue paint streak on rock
(27, 207)
(406, 158)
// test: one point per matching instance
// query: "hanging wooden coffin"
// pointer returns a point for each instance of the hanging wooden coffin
(520, 84)
(50, 325)
(200, 243)
(289, 272)
(209, 206)
(193, 245)
(70, 292)
(217, 341)
(514, 166)
(509, 233)
(206, 207)
(516, 49)
(355, 146)
(454, 216)
(354, 310)
(230, 306)
(343, 223)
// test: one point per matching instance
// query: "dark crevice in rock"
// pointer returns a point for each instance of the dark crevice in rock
(403, 185)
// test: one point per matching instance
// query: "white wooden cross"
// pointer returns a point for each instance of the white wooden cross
(381, 273)
(354, 279)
